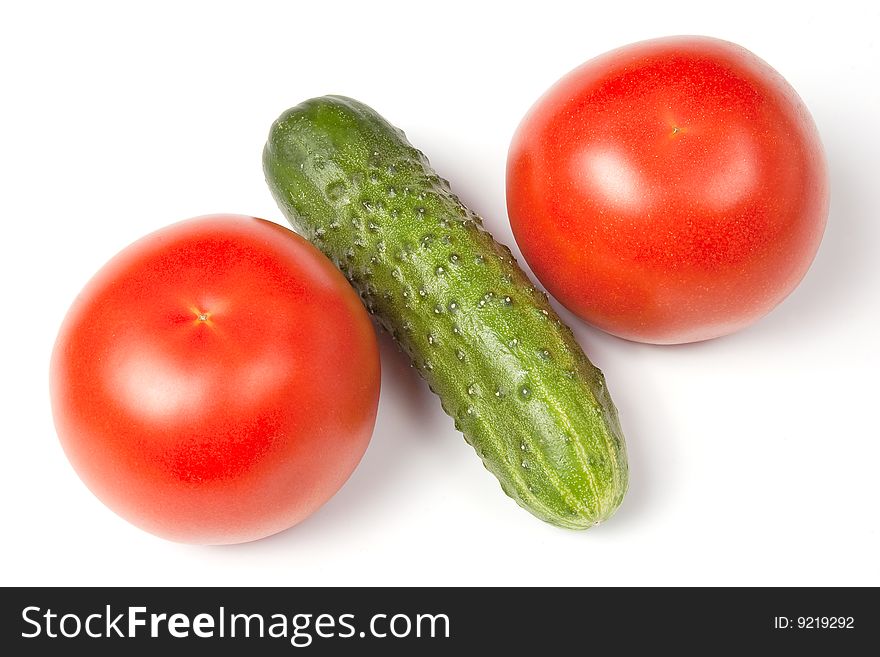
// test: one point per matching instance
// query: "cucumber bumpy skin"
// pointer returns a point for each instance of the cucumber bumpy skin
(505, 367)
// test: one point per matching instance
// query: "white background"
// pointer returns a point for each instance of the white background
(755, 458)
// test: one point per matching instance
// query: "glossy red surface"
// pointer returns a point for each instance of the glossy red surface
(217, 381)
(669, 191)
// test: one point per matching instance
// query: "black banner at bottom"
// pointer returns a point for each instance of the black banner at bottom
(435, 621)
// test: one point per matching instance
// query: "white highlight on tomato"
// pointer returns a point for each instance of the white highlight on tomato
(609, 175)
(734, 176)
(154, 387)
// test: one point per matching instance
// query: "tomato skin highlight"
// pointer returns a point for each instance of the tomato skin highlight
(217, 381)
(669, 191)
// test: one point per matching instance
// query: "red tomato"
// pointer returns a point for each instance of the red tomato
(669, 191)
(217, 381)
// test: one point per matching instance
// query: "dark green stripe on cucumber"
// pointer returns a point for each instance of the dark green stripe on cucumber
(505, 367)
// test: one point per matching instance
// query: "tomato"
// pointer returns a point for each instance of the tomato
(669, 191)
(217, 381)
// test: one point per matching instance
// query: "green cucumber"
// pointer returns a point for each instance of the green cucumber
(505, 367)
